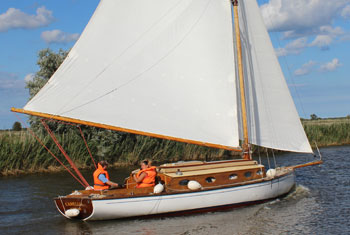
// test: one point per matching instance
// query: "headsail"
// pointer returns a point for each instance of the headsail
(162, 67)
(272, 116)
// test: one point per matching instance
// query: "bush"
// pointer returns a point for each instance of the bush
(17, 126)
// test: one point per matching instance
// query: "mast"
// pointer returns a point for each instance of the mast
(245, 146)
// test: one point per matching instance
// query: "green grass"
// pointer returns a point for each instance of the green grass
(21, 152)
(327, 132)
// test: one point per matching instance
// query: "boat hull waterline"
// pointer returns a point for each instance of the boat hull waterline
(181, 203)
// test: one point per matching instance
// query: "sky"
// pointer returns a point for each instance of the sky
(311, 39)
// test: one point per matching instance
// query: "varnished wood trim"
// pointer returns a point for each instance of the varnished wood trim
(114, 128)
(241, 82)
(84, 205)
(306, 164)
(203, 163)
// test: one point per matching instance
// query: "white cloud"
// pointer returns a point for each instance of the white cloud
(29, 77)
(345, 13)
(14, 18)
(305, 68)
(11, 84)
(327, 35)
(331, 66)
(300, 17)
(322, 41)
(329, 30)
(345, 38)
(57, 36)
(10, 81)
(294, 47)
(6, 75)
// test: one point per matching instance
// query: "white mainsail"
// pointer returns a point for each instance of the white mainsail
(272, 117)
(166, 67)
(157, 66)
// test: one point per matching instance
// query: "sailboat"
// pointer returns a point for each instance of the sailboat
(201, 72)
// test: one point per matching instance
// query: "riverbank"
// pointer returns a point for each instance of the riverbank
(328, 132)
(21, 153)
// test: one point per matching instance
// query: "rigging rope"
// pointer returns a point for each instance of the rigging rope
(274, 158)
(87, 146)
(37, 138)
(86, 184)
(268, 159)
(284, 57)
(82, 136)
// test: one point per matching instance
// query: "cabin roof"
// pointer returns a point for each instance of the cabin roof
(204, 166)
(213, 171)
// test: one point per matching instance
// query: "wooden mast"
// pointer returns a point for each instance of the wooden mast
(246, 154)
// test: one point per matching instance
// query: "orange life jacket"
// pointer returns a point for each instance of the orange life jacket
(98, 184)
(149, 179)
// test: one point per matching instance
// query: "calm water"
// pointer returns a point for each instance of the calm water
(319, 205)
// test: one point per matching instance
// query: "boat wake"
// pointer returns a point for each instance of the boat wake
(296, 195)
(299, 192)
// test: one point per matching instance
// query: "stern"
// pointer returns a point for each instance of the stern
(74, 208)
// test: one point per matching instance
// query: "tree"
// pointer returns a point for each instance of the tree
(314, 117)
(17, 126)
(105, 142)
(48, 62)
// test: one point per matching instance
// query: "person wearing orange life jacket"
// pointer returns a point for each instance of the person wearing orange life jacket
(146, 176)
(101, 177)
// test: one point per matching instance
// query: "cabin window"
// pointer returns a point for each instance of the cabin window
(210, 179)
(248, 174)
(233, 176)
(259, 172)
(183, 182)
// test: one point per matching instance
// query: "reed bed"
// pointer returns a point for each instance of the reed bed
(328, 134)
(20, 152)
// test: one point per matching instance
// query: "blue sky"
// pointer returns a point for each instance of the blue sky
(312, 40)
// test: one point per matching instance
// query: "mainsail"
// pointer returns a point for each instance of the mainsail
(162, 67)
(167, 68)
(272, 117)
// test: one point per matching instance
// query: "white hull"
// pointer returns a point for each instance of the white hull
(186, 202)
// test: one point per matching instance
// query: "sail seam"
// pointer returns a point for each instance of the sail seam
(123, 52)
(149, 68)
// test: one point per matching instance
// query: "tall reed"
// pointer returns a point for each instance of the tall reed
(21, 152)
(328, 134)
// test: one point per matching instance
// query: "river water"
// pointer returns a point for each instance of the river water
(320, 204)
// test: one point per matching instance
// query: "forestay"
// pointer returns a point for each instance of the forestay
(157, 66)
(272, 116)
